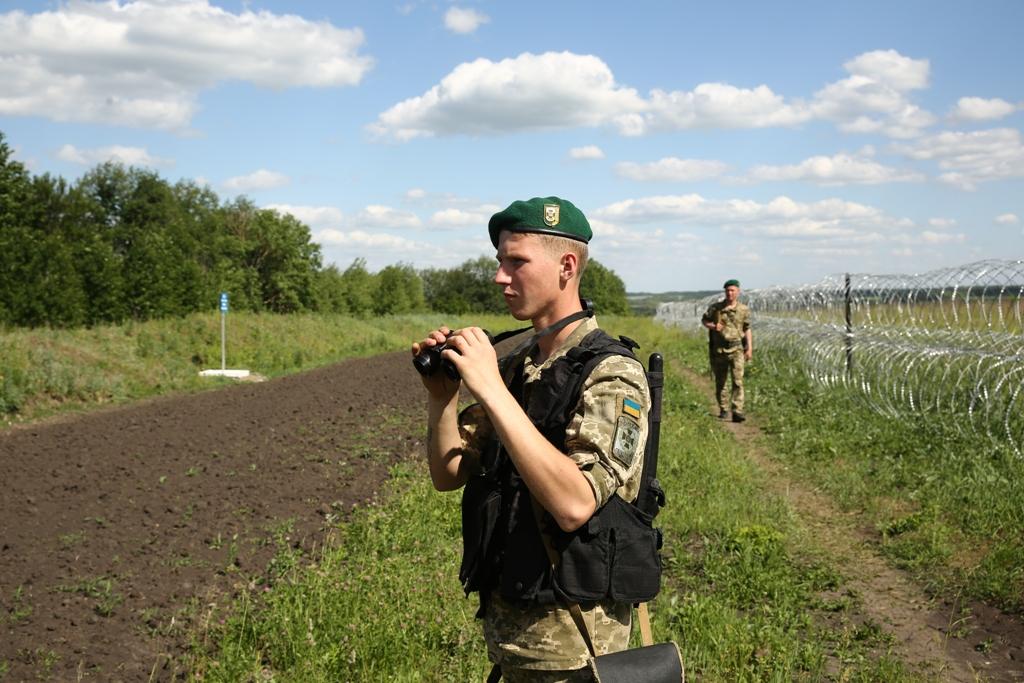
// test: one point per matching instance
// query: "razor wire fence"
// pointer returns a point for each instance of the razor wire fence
(947, 343)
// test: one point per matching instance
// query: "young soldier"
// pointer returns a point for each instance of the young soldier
(730, 344)
(543, 446)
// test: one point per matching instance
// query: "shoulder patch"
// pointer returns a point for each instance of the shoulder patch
(631, 408)
(627, 441)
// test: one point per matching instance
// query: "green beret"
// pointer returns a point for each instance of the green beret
(731, 283)
(547, 215)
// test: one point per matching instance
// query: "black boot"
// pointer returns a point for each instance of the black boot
(737, 417)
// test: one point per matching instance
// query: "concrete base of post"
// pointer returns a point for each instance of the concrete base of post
(234, 374)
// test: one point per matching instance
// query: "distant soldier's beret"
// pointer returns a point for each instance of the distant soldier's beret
(546, 215)
(731, 283)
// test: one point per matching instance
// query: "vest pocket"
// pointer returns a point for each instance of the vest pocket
(481, 504)
(636, 563)
(584, 571)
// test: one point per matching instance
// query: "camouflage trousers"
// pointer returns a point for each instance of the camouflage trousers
(542, 644)
(722, 365)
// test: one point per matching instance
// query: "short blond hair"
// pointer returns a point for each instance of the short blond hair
(555, 246)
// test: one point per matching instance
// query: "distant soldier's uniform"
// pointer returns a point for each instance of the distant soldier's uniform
(726, 351)
(531, 636)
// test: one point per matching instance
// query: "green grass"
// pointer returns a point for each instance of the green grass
(45, 371)
(382, 602)
(946, 503)
(746, 592)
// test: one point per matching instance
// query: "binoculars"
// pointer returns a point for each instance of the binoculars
(428, 361)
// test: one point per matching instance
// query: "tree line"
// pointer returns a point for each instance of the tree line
(122, 243)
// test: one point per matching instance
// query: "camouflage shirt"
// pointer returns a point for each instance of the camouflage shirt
(735, 321)
(605, 438)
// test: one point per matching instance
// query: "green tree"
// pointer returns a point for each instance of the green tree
(15, 194)
(606, 289)
(275, 263)
(468, 288)
(152, 236)
(360, 287)
(399, 290)
(286, 262)
(52, 270)
(330, 291)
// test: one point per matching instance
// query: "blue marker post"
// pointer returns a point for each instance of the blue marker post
(224, 372)
(223, 330)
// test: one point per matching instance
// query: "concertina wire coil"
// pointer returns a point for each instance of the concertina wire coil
(947, 343)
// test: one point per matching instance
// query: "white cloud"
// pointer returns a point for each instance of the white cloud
(530, 92)
(824, 253)
(942, 223)
(931, 237)
(364, 239)
(980, 109)
(378, 216)
(313, 216)
(562, 90)
(415, 194)
(586, 152)
(1007, 219)
(781, 217)
(840, 169)
(672, 169)
(143, 63)
(453, 218)
(715, 105)
(380, 249)
(130, 156)
(461, 20)
(257, 180)
(891, 69)
(874, 98)
(971, 158)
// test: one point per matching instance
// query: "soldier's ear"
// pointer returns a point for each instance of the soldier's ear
(569, 265)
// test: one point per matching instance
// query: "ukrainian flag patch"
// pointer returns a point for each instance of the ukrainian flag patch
(631, 408)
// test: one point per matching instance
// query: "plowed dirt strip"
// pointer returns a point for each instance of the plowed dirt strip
(991, 650)
(119, 528)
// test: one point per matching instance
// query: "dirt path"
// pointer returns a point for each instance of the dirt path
(119, 528)
(924, 628)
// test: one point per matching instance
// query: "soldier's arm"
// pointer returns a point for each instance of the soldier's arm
(553, 479)
(748, 336)
(444, 442)
(708, 319)
(449, 469)
(608, 432)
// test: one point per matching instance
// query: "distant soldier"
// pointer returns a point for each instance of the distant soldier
(730, 345)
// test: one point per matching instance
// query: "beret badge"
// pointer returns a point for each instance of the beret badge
(551, 214)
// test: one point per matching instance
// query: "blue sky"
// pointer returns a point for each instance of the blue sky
(776, 142)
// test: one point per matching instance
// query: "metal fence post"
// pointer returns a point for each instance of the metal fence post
(849, 329)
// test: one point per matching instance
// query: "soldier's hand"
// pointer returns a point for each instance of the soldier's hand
(471, 351)
(438, 385)
(719, 327)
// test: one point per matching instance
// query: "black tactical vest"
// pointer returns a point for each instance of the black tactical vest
(614, 555)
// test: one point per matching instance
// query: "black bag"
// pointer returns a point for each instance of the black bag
(659, 663)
